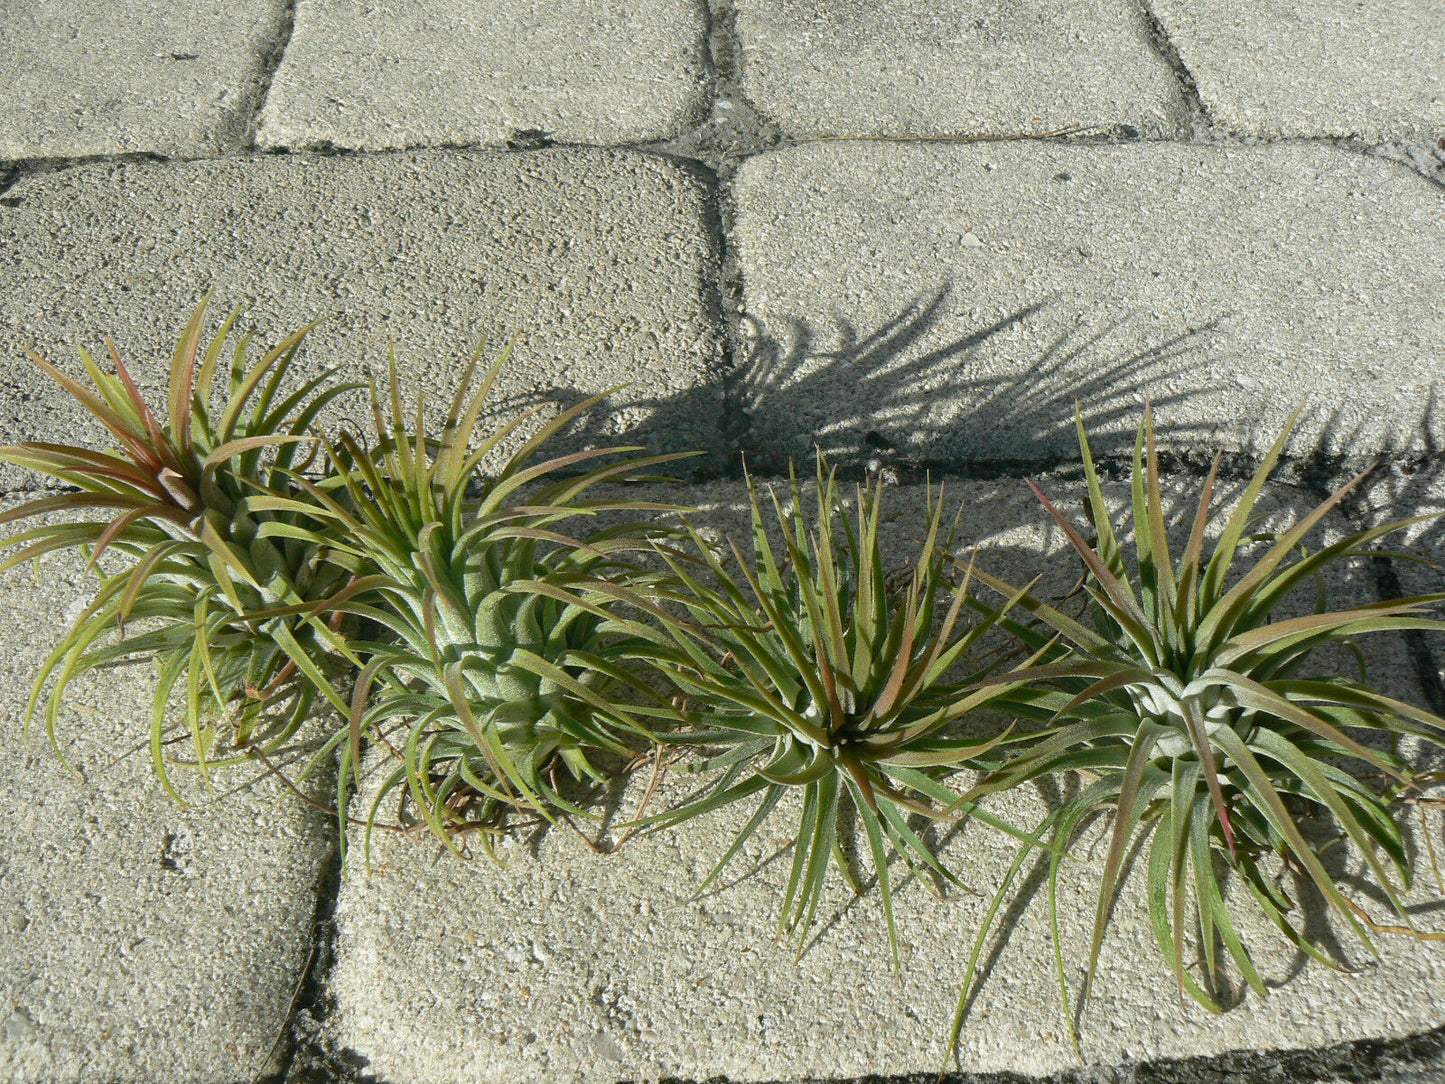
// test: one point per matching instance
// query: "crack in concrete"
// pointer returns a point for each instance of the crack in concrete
(1417, 1059)
(17, 168)
(1425, 159)
(734, 128)
(733, 131)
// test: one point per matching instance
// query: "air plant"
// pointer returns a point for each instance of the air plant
(1186, 704)
(481, 672)
(816, 674)
(197, 566)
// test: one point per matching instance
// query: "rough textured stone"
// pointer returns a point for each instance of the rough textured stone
(374, 76)
(569, 966)
(948, 304)
(1323, 68)
(176, 79)
(142, 941)
(597, 261)
(958, 67)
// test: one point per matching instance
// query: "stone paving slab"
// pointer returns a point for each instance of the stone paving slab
(569, 966)
(956, 67)
(374, 76)
(598, 261)
(950, 303)
(142, 941)
(180, 80)
(1324, 68)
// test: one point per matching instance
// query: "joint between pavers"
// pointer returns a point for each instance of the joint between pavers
(1200, 119)
(733, 128)
(1315, 471)
(1360, 1060)
(270, 62)
(16, 168)
(306, 1059)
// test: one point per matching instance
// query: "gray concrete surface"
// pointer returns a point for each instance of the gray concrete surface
(959, 67)
(142, 941)
(182, 80)
(376, 76)
(951, 303)
(598, 262)
(1323, 68)
(568, 966)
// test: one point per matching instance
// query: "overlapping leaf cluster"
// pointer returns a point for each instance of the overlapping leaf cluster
(815, 673)
(1186, 703)
(259, 582)
(200, 566)
(438, 598)
(497, 677)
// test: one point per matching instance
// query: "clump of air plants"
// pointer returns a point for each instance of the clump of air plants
(1185, 702)
(501, 630)
(811, 672)
(482, 673)
(226, 594)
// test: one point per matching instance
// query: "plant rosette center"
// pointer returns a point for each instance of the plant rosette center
(1172, 705)
(850, 734)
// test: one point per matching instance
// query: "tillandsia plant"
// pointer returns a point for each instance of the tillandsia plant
(815, 673)
(479, 662)
(196, 563)
(1185, 702)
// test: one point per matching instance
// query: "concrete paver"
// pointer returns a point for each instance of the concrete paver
(173, 79)
(569, 966)
(376, 76)
(142, 941)
(952, 303)
(596, 260)
(958, 67)
(1322, 68)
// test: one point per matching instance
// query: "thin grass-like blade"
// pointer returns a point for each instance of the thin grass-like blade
(1224, 549)
(1125, 820)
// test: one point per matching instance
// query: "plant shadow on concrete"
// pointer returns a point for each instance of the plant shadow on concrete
(911, 394)
(1407, 477)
